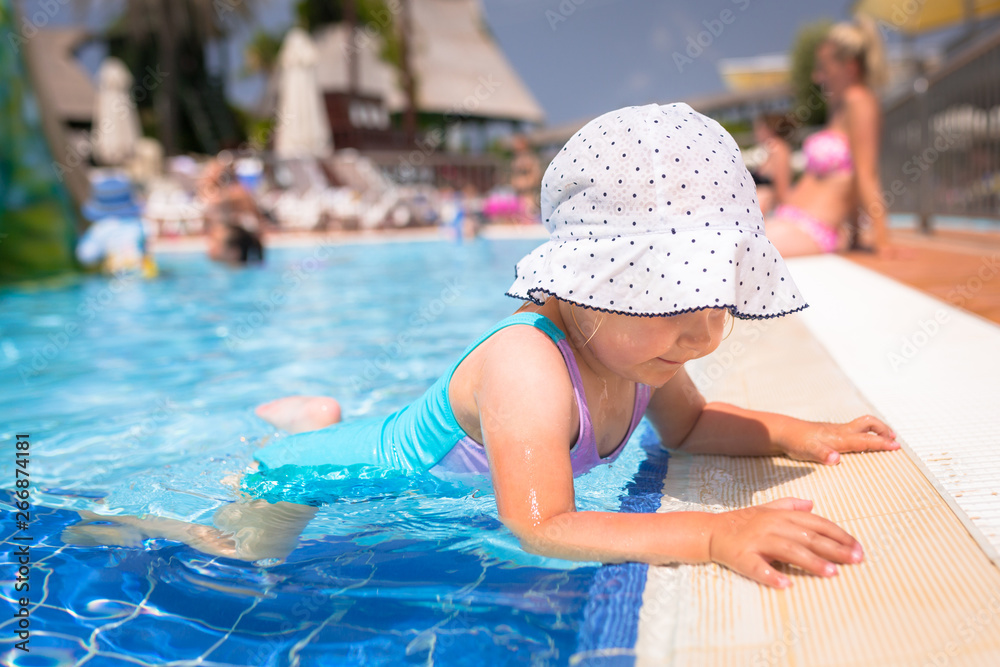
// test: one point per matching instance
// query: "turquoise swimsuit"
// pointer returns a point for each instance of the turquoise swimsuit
(425, 434)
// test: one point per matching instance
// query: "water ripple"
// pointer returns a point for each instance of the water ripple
(139, 399)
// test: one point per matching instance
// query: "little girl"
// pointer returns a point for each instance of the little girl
(655, 234)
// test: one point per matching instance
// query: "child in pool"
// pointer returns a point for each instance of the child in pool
(655, 235)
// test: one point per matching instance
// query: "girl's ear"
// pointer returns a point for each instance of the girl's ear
(732, 324)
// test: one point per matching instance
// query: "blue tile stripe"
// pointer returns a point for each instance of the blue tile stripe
(611, 620)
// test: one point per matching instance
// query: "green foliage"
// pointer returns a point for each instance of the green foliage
(37, 220)
(374, 13)
(313, 14)
(373, 16)
(261, 53)
(500, 148)
(202, 120)
(740, 129)
(258, 130)
(807, 94)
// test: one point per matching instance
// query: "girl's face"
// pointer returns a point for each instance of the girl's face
(649, 350)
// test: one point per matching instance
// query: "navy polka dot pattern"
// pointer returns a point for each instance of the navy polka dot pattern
(650, 211)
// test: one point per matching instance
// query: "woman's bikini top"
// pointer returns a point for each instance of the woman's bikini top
(827, 152)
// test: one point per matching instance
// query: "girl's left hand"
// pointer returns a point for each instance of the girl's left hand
(823, 443)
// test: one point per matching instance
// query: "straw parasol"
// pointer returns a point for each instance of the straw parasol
(918, 16)
(303, 128)
(116, 121)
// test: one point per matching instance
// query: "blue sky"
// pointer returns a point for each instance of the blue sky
(582, 57)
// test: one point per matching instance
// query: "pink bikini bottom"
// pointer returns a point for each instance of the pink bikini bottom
(825, 236)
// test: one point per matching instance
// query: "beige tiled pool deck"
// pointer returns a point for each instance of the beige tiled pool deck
(928, 592)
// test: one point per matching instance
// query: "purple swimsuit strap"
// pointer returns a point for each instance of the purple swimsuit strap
(584, 453)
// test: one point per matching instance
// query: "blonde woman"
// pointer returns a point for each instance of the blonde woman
(840, 186)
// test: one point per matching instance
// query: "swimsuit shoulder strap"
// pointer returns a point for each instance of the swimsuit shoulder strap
(548, 327)
(536, 320)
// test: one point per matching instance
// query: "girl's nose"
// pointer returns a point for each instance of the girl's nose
(697, 335)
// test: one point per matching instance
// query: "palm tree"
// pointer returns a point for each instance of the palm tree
(261, 53)
(174, 35)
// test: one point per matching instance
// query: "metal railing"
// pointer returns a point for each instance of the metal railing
(941, 141)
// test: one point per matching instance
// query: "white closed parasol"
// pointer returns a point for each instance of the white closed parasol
(302, 128)
(116, 122)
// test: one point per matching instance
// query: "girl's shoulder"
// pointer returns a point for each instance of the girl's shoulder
(517, 377)
(524, 351)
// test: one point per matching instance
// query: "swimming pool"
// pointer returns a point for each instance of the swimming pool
(138, 397)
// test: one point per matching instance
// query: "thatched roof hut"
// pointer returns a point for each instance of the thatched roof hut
(459, 68)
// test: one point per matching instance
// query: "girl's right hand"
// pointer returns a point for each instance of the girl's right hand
(750, 540)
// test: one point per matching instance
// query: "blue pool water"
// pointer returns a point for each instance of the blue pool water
(139, 396)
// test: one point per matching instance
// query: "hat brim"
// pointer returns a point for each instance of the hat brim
(659, 274)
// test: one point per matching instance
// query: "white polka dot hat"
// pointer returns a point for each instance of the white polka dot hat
(650, 211)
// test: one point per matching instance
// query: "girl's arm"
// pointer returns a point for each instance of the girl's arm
(686, 422)
(529, 418)
(863, 129)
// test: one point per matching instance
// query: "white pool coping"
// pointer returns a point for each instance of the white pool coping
(932, 370)
(928, 592)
